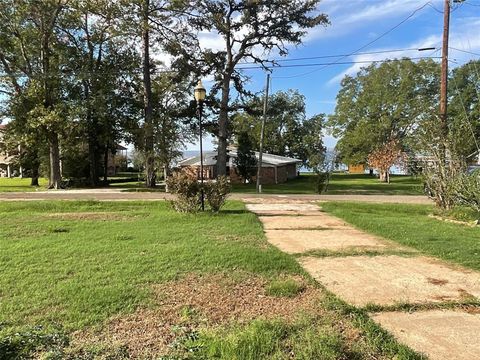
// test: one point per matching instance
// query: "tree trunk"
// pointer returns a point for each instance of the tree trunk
(222, 128)
(35, 170)
(165, 176)
(93, 155)
(55, 174)
(55, 178)
(147, 98)
(105, 165)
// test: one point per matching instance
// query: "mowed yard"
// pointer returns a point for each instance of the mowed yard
(20, 185)
(342, 184)
(415, 227)
(135, 279)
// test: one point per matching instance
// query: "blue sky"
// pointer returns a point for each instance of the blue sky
(355, 23)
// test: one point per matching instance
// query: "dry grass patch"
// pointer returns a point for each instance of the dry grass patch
(97, 216)
(196, 302)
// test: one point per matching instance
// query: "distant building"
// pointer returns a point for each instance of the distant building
(356, 168)
(7, 159)
(118, 161)
(275, 169)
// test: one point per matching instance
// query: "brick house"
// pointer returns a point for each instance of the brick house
(275, 169)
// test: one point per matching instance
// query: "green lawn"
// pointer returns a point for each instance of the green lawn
(410, 225)
(342, 184)
(69, 266)
(21, 185)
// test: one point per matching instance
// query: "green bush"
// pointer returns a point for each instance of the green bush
(216, 193)
(187, 189)
(188, 192)
(321, 181)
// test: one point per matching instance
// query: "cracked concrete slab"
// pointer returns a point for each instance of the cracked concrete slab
(291, 213)
(300, 241)
(301, 222)
(440, 334)
(389, 280)
(297, 207)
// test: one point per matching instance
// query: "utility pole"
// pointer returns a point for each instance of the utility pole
(444, 77)
(262, 134)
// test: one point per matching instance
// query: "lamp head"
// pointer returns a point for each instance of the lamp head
(200, 92)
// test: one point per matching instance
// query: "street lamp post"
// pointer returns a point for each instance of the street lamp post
(200, 93)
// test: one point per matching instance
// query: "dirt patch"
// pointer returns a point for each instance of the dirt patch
(98, 216)
(440, 334)
(439, 282)
(389, 280)
(196, 302)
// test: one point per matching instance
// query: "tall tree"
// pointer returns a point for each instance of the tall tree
(150, 180)
(464, 110)
(161, 29)
(383, 103)
(245, 162)
(247, 29)
(97, 59)
(288, 131)
(172, 115)
(29, 56)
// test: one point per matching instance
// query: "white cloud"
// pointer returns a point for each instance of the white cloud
(463, 36)
(348, 15)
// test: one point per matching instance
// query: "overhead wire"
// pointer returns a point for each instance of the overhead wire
(335, 56)
(363, 46)
(336, 63)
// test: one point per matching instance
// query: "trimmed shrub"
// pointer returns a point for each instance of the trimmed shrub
(187, 191)
(216, 193)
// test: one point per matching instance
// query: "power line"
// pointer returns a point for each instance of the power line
(367, 44)
(465, 51)
(341, 55)
(336, 63)
(470, 4)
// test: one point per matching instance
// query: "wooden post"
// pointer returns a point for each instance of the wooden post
(444, 80)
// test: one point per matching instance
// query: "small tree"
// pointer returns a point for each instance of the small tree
(245, 161)
(384, 157)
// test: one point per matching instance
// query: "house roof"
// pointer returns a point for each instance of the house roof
(268, 160)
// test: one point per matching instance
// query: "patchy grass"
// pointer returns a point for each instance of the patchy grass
(79, 271)
(411, 225)
(138, 265)
(21, 185)
(459, 213)
(285, 287)
(342, 184)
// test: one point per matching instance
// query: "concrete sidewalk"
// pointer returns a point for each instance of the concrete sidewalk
(387, 276)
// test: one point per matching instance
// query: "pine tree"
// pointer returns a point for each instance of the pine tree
(245, 161)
